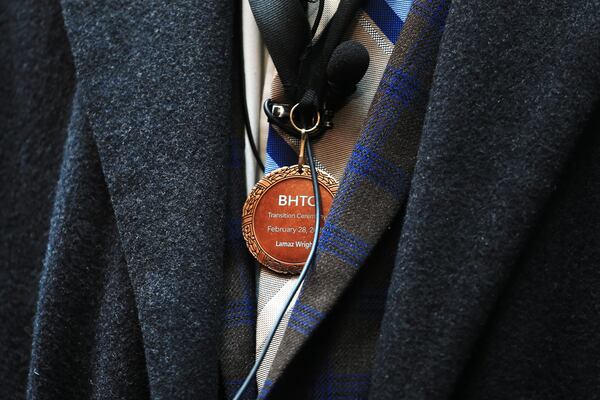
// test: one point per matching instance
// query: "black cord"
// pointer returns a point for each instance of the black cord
(249, 134)
(309, 261)
(247, 125)
(315, 26)
(248, 128)
(317, 195)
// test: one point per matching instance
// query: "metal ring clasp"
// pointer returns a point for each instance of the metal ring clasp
(303, 130)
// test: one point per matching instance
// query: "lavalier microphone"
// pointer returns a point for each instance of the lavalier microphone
(346, 67)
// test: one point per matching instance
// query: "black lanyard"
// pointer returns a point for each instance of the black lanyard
(300, 63)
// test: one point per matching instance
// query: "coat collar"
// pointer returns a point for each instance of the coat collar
(376, 179)
(156, 87)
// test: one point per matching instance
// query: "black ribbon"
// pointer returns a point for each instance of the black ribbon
(300, 63)
(285, 30)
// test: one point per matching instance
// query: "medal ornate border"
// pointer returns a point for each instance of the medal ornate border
(266, 182)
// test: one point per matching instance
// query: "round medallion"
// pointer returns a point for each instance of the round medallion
(278, 218)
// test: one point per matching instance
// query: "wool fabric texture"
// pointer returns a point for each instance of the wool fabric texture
(121, 180)
(36, 88)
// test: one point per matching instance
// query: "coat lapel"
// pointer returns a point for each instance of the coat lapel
(376, 179)
(155, 80)
(491, 153)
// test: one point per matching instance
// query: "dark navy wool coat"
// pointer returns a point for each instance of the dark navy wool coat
(118, 122)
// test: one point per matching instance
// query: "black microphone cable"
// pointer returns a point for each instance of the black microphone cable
(242, 78)
(318, 215)
(309, 261)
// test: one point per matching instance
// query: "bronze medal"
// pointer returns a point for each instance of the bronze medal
(278, 218)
